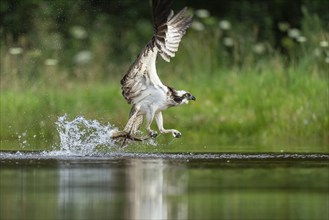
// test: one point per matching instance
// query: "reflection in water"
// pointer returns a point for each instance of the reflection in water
(151, 184)
(163, 188)
(82, 192)
(148, 189)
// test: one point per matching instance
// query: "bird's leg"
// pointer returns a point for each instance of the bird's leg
(159, 121)
(149, 119)
(133, 124)
(126, 136)
(119, 134)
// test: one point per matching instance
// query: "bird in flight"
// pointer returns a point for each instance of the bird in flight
(141, 85)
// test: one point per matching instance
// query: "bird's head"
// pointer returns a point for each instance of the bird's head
(183, 97)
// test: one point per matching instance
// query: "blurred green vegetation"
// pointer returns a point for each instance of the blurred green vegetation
(259, 71)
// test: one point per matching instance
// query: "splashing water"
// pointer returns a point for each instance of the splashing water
(81, 136)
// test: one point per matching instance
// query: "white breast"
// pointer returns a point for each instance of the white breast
(154, 98)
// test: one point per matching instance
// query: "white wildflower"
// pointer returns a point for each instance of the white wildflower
(16, 50)
(83, 57)
(51, 62)
(301, 39)
(294, 33)
(79, 32)
(228, 42)
(324, 43)
(196, 25)
(202, 13)
(259, 48)
(317, 52)
(224, 25)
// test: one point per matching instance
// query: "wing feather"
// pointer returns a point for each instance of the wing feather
(169, 29)
(141, 75)
(169, 34)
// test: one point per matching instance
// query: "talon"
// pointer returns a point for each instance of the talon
(153, 134)
(119, 134)
(177, 134)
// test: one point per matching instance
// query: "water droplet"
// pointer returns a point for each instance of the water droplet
(81, 136)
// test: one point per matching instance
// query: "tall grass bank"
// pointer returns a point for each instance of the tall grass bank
(249, 93)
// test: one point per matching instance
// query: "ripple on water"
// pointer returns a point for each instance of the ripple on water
(79, 139)
(62, 155)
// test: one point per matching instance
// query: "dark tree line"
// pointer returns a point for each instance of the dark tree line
(18, 16)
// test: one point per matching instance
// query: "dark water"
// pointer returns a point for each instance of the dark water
(51, 185)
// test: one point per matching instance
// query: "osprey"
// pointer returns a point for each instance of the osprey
(141, 85)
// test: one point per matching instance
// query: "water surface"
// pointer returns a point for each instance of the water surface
(119, 185)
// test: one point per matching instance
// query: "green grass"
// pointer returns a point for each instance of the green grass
(268, 100)
(233, 108)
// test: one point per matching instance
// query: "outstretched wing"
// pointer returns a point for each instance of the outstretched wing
(169, 29)
(142, 78)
